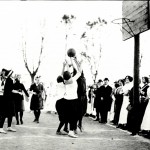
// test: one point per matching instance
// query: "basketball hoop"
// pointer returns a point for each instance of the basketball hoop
(121, 21)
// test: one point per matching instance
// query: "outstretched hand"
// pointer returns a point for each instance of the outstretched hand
(65, 62)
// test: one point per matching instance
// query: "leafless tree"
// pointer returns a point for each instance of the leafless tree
(67, 20)
(89, 37)
(32, 70)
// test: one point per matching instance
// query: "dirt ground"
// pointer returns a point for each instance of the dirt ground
(42, 136)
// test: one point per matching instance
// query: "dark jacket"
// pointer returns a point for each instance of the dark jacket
(106, 94)
(36, 99)
(8, 105)
(18, 99)
(97, 99)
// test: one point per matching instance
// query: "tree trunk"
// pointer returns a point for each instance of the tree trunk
(32, 78)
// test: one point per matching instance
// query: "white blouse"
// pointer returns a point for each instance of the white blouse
(60, 91)
(71, 89)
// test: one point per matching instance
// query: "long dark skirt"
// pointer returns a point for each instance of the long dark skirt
(117, 109)
(133, 120)
(1, 105)
(81, 106)
(36, 102)
(19, 105)
(7, 107)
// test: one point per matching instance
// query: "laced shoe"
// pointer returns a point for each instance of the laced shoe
(3, 131)
(71, 134)
(11, 129)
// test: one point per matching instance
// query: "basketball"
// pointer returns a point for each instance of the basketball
(71, 52)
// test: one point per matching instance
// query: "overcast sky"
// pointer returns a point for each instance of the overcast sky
(24, 17)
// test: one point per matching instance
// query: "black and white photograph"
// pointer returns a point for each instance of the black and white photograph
(74, 75)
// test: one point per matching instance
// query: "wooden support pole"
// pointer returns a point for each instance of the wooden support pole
(136, 69)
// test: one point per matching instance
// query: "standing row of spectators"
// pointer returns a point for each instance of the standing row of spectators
(117, 105)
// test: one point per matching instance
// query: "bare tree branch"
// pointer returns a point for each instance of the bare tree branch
(25, 56)
(39, 62)
(92, 28)
(24, 50)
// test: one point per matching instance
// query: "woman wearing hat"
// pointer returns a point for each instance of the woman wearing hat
(36, 100)
(8, 103)
(123, 112)
(19, 99)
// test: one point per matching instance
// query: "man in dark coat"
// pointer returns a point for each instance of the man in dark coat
(97, 99)
(105, 100)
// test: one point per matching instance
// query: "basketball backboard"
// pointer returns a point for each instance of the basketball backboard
(135, 18)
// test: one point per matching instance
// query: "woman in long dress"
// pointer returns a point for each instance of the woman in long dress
(36, 103)
(118, 101)
(124, 113)
(52, 98)
(19, 99)
(146, 119)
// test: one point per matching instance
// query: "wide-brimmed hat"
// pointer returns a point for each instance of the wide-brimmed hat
(37, 77)
(7, 72)
(4, 70)
(99, 81)
(106, 79)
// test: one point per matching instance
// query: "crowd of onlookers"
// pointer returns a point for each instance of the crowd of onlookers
(103, 103)
(117, 106)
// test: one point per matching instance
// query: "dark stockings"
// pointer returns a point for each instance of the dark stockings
(60, 126)
(2, 120)
(66, 127)
(37, 114)
(21, 116)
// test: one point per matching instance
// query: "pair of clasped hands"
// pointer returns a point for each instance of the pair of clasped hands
(19, 92)
(33, 93)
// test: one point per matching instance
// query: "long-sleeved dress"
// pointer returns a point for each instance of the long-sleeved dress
(124, 113)
(36, 99)
(18, 99)
(8, 108)
(146, 119)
